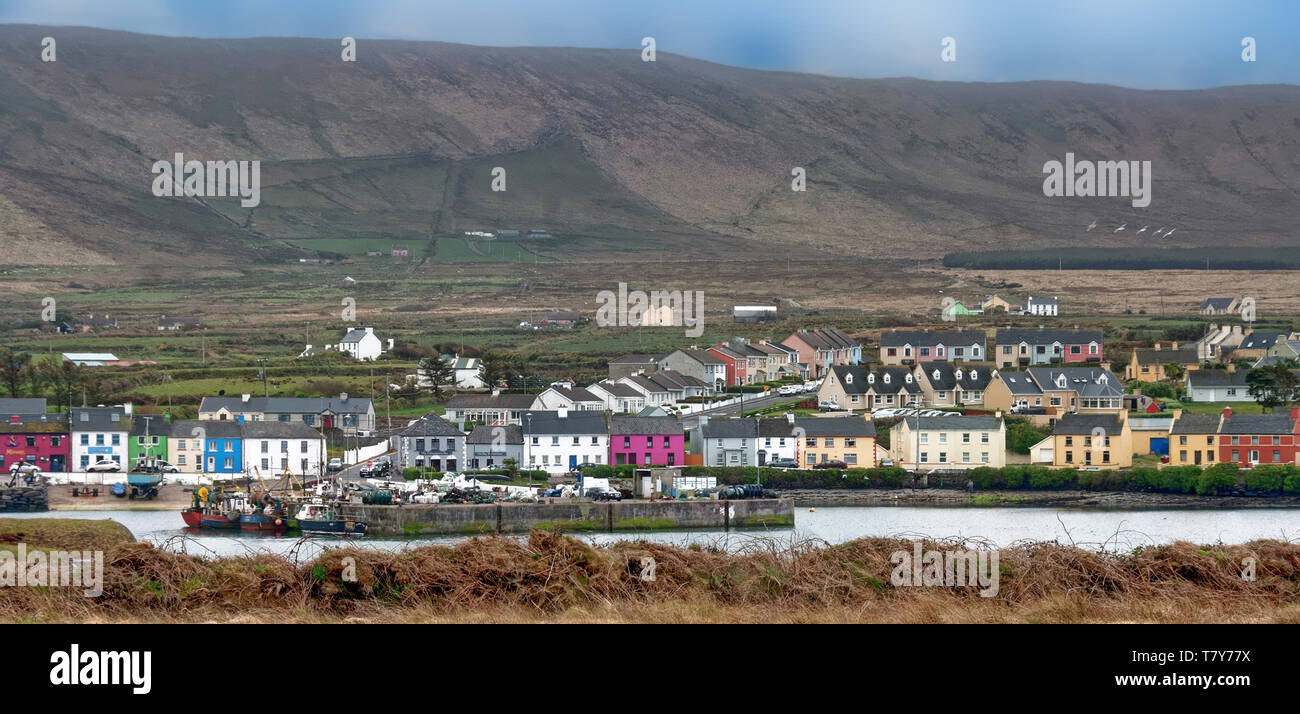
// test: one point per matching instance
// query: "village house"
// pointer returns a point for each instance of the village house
(1252, 439)
(1193, 440)
(619, 398)
(948, 385)
(726, 441)
(646, 441)
(350, 414)
(1046, 307)
(849, 439)
(1092, 441)
(1257, 344)
(559, 441)
(949, 442)
(904, 347)
(100, 434)
(223, 448)
(1218, 341)
(700, 364)
(1151, 365)
(560, 318)
(735, 364)
(628, 365)
(993, 303)
(1217, 385)
(493, 409)
(98, 322)
(575, 398)
(359, 342)
(792, 365)
(856, 387)
(148, 438)
(275, 448)
(1057, 389)
(822, 348)
(1023, 348)
(430, 443)
(400, 251)
(172, 324)
(31, 436)
(1220, 306)
(185, 445)
(488, 447)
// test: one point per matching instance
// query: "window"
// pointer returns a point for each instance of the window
(830, 441)
(984, 438)
(266, 463)
(1069, 457)
(965, 438)
(284, 446)
(117, 439)
(984, 457)
(943, 457)
(266, 445)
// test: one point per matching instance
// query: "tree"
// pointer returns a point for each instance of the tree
(1274, 386)
(1174, 371)
(14, 370)
(497, 366)
(439, 372)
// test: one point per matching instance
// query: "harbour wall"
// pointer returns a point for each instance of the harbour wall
(24, 498)
(573, 516)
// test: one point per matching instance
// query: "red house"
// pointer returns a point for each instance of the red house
(40, 439)
(1254, 439)
(737, 364)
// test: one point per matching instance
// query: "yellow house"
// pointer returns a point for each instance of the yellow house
(185, 446)
(1093, 441)
(1150, 365)
(1192, 441)
(949, 442)
(850, 439)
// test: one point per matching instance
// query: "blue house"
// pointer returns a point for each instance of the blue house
(223, 447)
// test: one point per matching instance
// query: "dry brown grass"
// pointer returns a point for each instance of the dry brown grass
(553, 578)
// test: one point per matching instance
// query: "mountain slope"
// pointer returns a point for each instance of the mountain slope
(402, 143)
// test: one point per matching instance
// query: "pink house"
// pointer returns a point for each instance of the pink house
(646, 441)
(40, 439)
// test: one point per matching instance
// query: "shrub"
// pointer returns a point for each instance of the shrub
(1216, 477)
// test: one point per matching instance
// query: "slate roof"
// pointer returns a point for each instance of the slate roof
(1259, 340)
(1084, 424)
(729, 429)
(354, 335)
(928, 338)
(1020, 382)
(156, 424)
(1257, 424)
(955, 422)
(619, 389)
(277, 429)
(1181, 356)
(576, 423)
(100, 419)
(22, 406)
(972, 378)
(1216, 303)
(484, 434)
(836, 426)
(826, 338)
(1084, 381)
(635, 359)
(287, 405)
(1216, 378)
(431, 425)
(488, 401)
(1047, 337)
(1196, 424)
(646, 426)
(702, 356)
(578, 394)
(35, 424)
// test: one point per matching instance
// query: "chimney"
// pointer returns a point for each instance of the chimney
(343, 396)
(1227, 413)
(562, 412)
(1173, 346)
(14, 419)
(126, 409)
(1178, 414)
(789, 416)
(496, 392)
(1295, 412)
(998, 414)
(370, 330)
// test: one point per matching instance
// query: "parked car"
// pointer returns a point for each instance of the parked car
(786, 390)
(335, 464)
(830, 465)
(783, 464)
(829, 407)
(24, 468)
(603, 494)
(104, 466)
(884, 413)
(886, 462)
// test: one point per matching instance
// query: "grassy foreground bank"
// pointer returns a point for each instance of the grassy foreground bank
(555, 578)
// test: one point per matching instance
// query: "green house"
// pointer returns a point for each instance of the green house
(148, 438)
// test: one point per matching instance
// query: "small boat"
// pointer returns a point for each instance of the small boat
(119, 489)
(144, 480)
(321, 518)
(211, 511)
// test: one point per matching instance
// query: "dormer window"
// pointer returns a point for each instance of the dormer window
(848, 379)
(936, 375)
(1060, 381)
(886, 379)
(909, 377)
(871, 379)
(958, 375)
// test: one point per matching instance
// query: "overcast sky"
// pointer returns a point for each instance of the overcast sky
(1154, 44)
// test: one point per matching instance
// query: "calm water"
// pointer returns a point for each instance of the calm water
(1094, 529)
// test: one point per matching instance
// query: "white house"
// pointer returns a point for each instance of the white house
(467, 373)
(273, 447)
(360, 342)
(558, 441)
(574, 398)
(618, 398)
(1042, 306)
(99, 434)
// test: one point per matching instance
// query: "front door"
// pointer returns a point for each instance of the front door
(57, 462)
(573, 462)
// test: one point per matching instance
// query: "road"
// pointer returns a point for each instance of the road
(758, 402)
